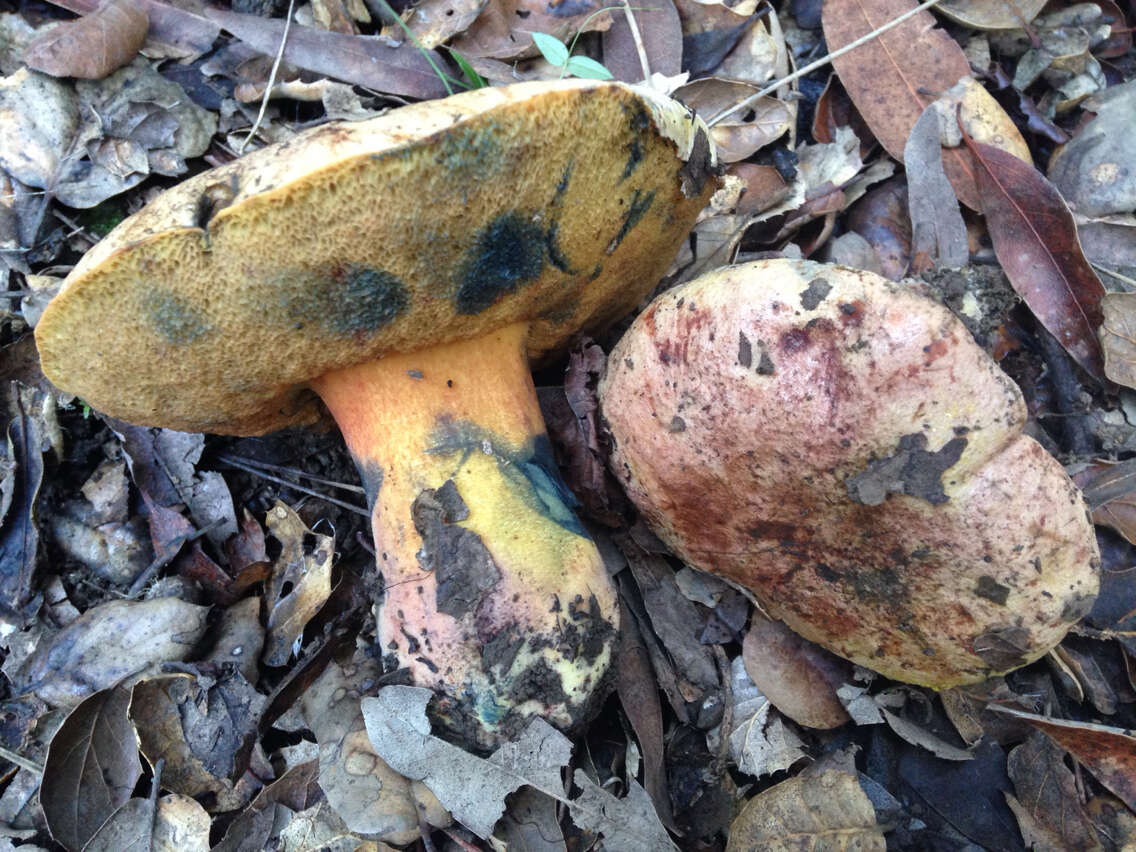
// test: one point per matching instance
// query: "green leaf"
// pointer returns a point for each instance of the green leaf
(582, 66)
(551, 48)
(476, 81)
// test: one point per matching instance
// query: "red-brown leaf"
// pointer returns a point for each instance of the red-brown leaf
(1035, 239)
(93, 46)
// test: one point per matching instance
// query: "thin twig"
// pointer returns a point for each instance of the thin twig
(293, 471)
(271, 80)
(351, 507)
(1119, 276)
(638, 39)
(820, 63)
(21, 761)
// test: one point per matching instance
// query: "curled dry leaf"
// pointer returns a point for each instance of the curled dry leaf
(824, 811)
(881, 218)
(760, 741)
(434, 22)
(93, 46)
(744, 132)
(1110, 489)
(296, 790)
(710, 30)
(91, 768)
(504, 28)
(1036, 242)
(109, 642)
(798, 677)
(835, 109)
(21, 475)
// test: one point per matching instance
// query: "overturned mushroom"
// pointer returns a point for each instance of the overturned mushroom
(839, 445)
(406, 269)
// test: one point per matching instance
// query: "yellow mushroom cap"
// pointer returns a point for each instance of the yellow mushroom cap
(211, 308)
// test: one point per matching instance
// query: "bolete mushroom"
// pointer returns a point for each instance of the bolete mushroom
(839, 445)
(406, 268)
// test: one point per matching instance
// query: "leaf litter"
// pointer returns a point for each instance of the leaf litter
(222, 706)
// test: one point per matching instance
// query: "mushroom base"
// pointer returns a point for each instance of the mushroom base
(496, 597)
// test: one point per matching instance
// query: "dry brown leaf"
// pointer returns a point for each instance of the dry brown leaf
(91, 768)
(938, 233)
(1047, 792)
(93, 46)
(888, 77)
(403, 70)
(175, 32)
(710, 30)
(174, 823)
(969, 104)
(434, 22)
(296, 790)
(661, 33)
(1110, 489)
(828, 811)
(797, 676)
(881, 218)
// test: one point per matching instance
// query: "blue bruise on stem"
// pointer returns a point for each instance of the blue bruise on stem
(508, 254)
(531, 471)
(173, 318)
(351, 299)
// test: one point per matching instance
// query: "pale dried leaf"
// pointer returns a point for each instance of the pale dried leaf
(828, 811)
(937, 229)
(300, 582)
(93, 46)
(109, 642)
(760, 742)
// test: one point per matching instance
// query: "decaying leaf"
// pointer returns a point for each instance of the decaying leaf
(474, 789)
(203, 728)
(1094, 171)
(1035, 240)
(91, 769)
(296, 790)
(21, 475)
(109, 642)
(881, 218)
(1110, 489)
(175, 31)
(827, 811)
(173, 823)
(300, 582)
(938, 233)
(504, 28)
(531, 823)
(93, 46)
(887, 77)
(1108, 753)
(760, 741)
(434, 22)
(369, 795)
(710, 30)
(798, 677)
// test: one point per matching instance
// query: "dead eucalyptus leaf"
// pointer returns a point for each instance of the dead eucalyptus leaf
(744, 132)
(93, 46)
(300, 581)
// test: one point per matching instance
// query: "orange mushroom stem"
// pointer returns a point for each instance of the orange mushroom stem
(496, 597)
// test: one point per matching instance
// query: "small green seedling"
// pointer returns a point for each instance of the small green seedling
(557, 53)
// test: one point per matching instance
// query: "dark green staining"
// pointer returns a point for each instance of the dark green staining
(174, 318)
(351, 299)
(638, 121)
(474, 148)
(508, 254)
(640, 204)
